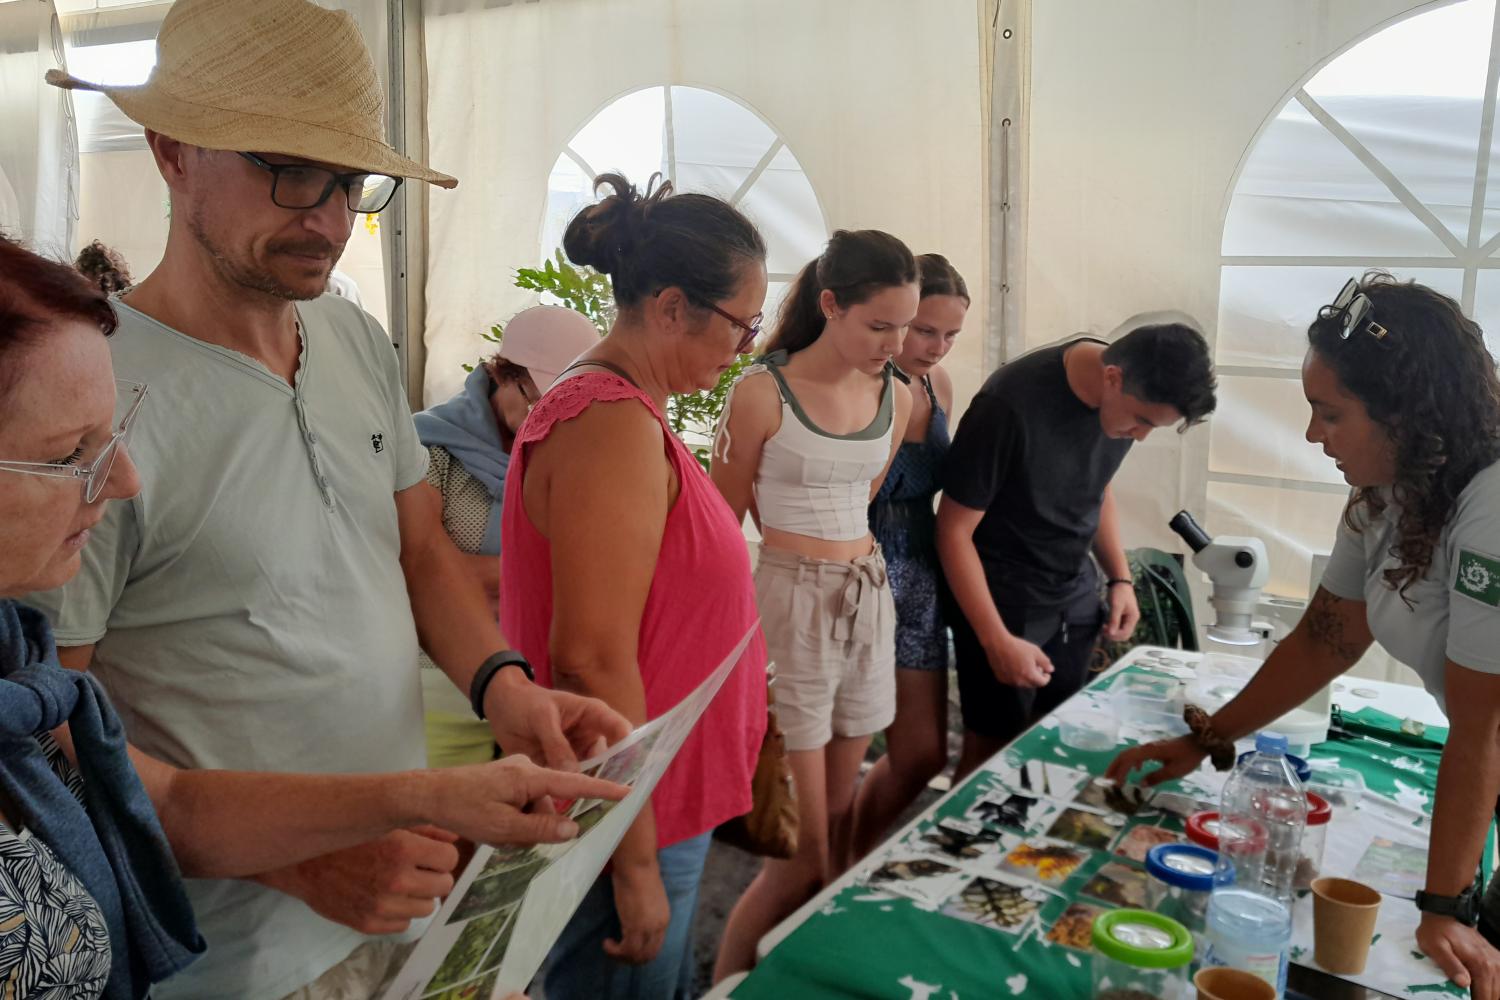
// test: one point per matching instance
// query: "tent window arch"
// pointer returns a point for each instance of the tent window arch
(1385, 158)
(704, 141)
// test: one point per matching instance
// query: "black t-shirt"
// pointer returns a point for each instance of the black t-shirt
(1033, 457)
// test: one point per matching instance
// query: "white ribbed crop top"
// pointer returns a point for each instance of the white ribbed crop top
(814, 483)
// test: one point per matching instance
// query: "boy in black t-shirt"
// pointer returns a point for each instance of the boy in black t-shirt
(1026, 495)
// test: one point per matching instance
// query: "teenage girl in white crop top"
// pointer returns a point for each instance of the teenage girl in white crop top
(804, 443)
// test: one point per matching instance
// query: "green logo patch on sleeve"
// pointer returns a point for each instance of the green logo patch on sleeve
(1478, 577)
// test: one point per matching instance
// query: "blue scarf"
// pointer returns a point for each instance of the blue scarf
(467, 428)
(116, 846)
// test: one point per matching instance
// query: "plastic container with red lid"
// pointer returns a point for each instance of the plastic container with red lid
(1314, 841)
(1203, 829)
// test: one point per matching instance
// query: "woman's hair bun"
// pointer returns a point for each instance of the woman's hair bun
(603, 235)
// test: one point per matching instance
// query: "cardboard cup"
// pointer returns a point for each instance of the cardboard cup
(1344, 915)
(1232, 984)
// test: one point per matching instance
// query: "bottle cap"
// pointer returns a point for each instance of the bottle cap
(1270, 743)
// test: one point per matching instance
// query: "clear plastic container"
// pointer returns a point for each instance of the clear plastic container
(1148, 700)
(1250, 931)
(1140, 955)
(1342, 787)
(1314, 841)
(1086, 729)
(1183, 877)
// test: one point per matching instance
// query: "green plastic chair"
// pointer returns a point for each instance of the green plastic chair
(1161, 590)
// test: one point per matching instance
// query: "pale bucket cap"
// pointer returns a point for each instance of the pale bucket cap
(547, 339)
(265, 76)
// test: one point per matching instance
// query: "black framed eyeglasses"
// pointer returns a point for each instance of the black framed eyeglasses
(299, 186)
(1354, 311)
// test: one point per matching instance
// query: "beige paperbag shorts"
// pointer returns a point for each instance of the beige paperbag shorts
(831, 632)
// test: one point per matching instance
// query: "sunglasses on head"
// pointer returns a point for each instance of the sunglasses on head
(1354, 311)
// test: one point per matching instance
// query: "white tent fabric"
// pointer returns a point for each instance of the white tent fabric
(1338, 182)
(1140, 126)
(1137, 130)
(39, 157)
(702, 141)
(884, 146)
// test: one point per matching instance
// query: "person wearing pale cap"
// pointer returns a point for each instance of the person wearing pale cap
(258, 605)
(469, 440)
(1027, 500)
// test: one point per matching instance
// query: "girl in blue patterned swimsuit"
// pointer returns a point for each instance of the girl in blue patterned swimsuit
(903, 522)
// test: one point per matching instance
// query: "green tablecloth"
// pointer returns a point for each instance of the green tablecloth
(866, 943)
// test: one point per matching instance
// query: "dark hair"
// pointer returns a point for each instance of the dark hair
(854, 266)
(105, 267)
(1167, 364)
(1430, 382)
(694, 242)
(941, 278)
(502, 370)
(34, 293)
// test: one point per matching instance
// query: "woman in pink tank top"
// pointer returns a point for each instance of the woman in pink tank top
(627, 577)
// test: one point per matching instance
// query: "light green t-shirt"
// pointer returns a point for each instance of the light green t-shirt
(248, 605)
(1455, 609)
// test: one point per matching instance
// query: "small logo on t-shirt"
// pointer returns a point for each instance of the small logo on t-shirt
(377, 441)
(1478, 577)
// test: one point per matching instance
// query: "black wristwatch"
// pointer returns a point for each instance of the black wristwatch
(487, 671)
(1464, 907)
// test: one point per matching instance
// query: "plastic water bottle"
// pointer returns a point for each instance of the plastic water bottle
(1250, 931)
(1262, 816)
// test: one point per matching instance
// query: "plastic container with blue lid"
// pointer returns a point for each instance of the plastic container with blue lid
(1182, 880)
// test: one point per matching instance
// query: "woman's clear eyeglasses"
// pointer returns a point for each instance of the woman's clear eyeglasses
(1354, 311)
(95, 473)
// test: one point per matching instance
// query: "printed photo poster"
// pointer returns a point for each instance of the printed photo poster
(511, 903)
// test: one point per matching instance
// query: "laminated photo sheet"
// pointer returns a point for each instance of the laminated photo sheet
(509, 906)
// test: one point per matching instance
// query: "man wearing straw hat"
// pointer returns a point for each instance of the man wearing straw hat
(258, 606)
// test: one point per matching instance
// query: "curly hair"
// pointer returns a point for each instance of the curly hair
(105, 267)
(1430, 383)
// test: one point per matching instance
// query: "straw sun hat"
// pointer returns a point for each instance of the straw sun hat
(265, 76)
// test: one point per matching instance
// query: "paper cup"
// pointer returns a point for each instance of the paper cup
(1344, 915)
(1232, 984)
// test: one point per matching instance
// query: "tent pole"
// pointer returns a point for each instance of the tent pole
(406, 236)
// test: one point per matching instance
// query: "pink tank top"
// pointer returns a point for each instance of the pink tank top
(702, 599)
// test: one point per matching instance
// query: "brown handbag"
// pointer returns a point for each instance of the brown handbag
(770, 827)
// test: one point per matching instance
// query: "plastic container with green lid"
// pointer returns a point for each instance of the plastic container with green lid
(1140, 955)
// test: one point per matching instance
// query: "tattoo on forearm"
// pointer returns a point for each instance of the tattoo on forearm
(1326, 626)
